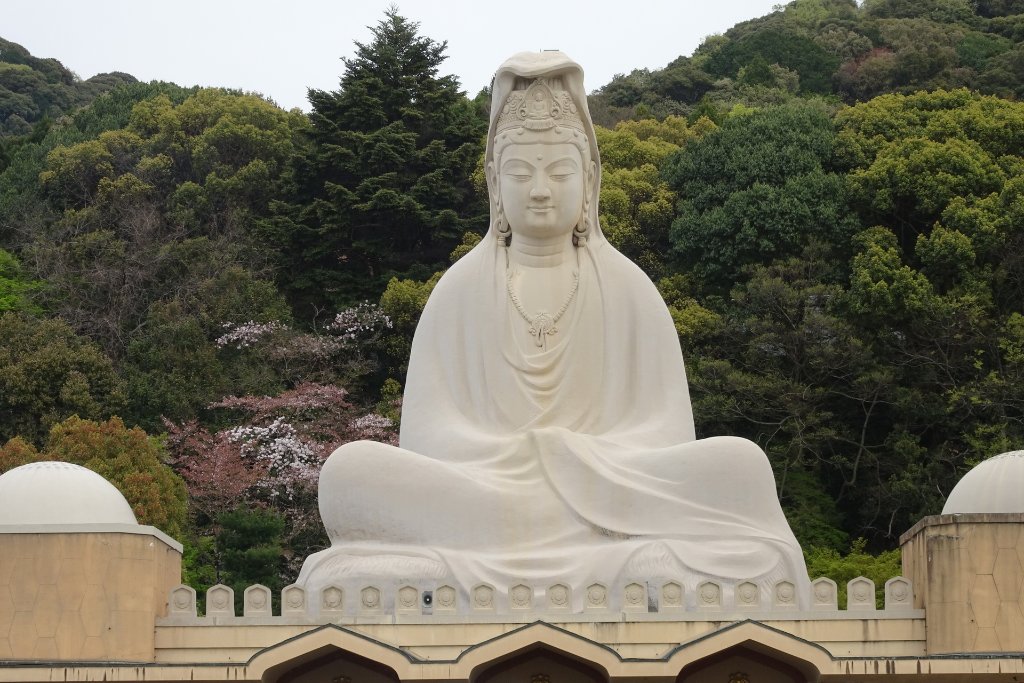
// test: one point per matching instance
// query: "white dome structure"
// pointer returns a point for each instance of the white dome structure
(60, 493)
(995, 485)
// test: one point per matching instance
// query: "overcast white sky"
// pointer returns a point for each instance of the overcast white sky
(281, 48)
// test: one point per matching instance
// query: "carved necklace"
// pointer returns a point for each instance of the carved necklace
(542, 324)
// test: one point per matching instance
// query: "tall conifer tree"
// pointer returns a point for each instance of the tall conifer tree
(386, 183)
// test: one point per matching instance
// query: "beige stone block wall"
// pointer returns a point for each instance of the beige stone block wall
(968, 572)
(83, 596)
(239, 640)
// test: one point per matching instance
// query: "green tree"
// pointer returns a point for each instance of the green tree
(643, 93)
(403, 301)
(127, 458)
(637, 205)
(32, 89)
(248, 545)
(173, 366)
(926, 52)
(945, 11)
(843, 42)
(842, 569)
(16, 290)
(910, 158)
(998, 8)
(783, 368)
(385, 189)
(24, 209)
(780, 45)
(47, 374)
(975, 49)
(912, 53)
(756, 189)
(182, 181)
(1004, 73)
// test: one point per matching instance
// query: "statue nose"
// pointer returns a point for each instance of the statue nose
(540, 190)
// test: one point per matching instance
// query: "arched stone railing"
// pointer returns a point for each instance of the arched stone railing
(714, 599)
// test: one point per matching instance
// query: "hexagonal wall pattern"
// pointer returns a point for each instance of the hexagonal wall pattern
(96, 596)
(6, 569)
(70, 635)
(45, 649)
(1008, 535)
(23, 636)
(47, 610)
(983, 547)
(972, 582)
(1010, 627)
(986, 640)
(1007, 575)
(6, 611)
(984, 601)
(23, 584)
(93, 611)
(71, 583)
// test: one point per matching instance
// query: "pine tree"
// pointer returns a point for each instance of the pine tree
(386, 182)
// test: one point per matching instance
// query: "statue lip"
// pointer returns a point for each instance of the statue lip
(546, 207)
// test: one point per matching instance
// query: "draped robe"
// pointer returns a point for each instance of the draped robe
(573, 464)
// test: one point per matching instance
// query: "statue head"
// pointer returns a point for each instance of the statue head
(541, 162)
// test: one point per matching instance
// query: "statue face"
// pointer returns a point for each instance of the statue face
(542, 188)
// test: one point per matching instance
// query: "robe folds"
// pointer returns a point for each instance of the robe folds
(573, 464)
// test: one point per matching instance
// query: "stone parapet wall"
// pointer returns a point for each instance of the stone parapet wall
(239, 639)
(969, 571)
(633, 600)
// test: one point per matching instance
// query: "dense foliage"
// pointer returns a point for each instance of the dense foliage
(34, 89)
(385, 187)
(833, 219)
(833, 48)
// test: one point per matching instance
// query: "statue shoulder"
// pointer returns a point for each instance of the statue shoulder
(457, 284)
(633, 279)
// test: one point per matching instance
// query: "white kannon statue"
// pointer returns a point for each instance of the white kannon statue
(547, 435)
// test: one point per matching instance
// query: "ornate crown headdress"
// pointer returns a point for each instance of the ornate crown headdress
(542, 106)
(539, 107)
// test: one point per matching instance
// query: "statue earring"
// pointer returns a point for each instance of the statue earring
(580, 232)
(502, 229)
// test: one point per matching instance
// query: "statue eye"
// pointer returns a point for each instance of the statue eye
(561, 170)
(517, 171)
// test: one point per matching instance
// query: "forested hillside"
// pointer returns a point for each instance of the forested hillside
(833, 48)
(33, 90)
(202, 295)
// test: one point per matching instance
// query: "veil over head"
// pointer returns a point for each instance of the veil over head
(550, 64)
(615, 367)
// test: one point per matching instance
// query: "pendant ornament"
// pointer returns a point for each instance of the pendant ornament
(542, 324)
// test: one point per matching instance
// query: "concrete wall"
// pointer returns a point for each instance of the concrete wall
(84, 596)
(967, 573)
(237, 639)
(96, 596)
